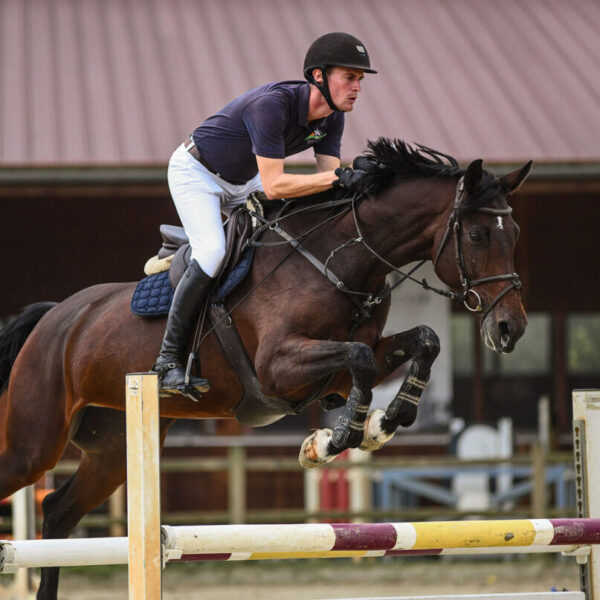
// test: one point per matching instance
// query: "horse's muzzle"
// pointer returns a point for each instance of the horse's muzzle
(502, 328)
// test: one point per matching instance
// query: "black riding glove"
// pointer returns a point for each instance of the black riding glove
(369, 165)
(364, 173)
(351, 180)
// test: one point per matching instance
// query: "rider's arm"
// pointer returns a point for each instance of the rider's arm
(326, 162)
(278, 184)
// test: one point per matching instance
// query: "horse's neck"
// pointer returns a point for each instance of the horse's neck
(401, 224)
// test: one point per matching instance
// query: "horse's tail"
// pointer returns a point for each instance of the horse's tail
(13, 336)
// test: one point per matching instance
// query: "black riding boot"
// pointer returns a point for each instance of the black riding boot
(188, 300)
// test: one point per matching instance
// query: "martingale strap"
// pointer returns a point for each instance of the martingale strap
(364, 312)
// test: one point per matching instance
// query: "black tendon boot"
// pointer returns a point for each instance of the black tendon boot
(188, 300)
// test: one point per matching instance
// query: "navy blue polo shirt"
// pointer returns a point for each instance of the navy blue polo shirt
(269, 121)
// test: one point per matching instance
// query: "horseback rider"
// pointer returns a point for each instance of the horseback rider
(240, 150)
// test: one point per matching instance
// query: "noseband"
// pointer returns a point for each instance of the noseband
(454, 226)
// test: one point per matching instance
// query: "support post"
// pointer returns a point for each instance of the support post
(23, 510)
(312, 492)
(538, 496)
(116, 507)
(237, 485)
(586, 435)
(143, 487)
(360, 484)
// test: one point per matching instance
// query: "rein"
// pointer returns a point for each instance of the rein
(364, 308)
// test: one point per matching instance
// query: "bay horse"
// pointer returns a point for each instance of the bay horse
(62, 365)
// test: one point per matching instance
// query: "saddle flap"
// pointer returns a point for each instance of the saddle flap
(179, 264)
(237, 232)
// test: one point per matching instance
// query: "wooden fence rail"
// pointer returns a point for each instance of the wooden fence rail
(238, 465)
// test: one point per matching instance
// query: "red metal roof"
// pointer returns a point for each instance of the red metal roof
(122, 82)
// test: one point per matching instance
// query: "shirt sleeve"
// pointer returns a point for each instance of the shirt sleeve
(265, 120)
(332, 143)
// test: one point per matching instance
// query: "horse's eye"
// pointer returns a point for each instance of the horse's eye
(476, 237)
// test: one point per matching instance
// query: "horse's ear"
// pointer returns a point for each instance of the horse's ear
(473, 175)
(510, 183)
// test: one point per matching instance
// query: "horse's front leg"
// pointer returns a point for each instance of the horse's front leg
(298, 362)
(421, 344)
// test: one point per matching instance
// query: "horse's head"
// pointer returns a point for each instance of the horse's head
(474, 254)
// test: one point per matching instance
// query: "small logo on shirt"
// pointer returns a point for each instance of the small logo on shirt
(315, 136)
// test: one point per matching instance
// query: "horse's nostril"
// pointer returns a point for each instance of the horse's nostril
(504, 331)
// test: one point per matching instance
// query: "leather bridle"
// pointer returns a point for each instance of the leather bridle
(454, 227)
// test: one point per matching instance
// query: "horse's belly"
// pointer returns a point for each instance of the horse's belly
(258, 412)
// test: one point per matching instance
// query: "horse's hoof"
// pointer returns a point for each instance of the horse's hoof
(375, 437)
(313, 451)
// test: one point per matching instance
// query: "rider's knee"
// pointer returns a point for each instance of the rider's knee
(210, 257)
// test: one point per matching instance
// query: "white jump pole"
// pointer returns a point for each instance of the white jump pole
(143, 487)
(586, 449)
(220, 540)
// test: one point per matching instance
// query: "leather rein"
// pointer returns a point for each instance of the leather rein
(364, 308)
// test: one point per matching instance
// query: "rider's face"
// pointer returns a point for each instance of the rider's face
(344, 86)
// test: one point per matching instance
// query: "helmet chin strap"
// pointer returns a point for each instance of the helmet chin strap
(323, 87)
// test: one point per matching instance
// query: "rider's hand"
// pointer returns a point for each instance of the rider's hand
(351, 180)
(364, 172)
(369, 165)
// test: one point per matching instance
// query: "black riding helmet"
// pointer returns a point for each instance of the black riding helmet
(335, 50)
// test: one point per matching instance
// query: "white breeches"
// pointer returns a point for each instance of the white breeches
(200, 197)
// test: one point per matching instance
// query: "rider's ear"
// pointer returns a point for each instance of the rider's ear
(317, 74)
(510, 183)
(473, 176)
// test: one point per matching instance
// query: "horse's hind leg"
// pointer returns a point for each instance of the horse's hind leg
(422, 345)
(103, 467)
(32, 441)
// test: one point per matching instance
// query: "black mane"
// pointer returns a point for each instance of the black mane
(403, 161)
(406, 160)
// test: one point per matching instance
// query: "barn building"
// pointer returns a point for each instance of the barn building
(95, 95)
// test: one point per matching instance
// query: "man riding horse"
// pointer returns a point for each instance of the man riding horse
(309, 333)
(240, 150)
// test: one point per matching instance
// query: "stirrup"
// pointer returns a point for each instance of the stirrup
(193, 392)
(188, 391)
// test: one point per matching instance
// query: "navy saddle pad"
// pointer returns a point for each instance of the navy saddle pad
(153, 294)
